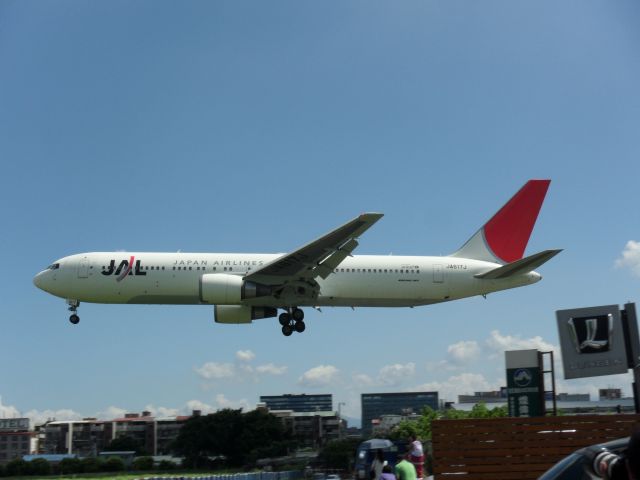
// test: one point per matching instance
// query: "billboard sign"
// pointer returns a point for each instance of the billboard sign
(524, 383)
(592, 341)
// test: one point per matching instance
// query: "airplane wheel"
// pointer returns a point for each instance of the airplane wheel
(300, 326)
(284, 319)
(74, 319)
(298, 315)
(287, 330)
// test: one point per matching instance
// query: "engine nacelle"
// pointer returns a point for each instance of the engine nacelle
(226, 289)
(241, 313)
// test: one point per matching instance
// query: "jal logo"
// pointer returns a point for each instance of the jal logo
(522, 377)
(591, 334)
(125, 267)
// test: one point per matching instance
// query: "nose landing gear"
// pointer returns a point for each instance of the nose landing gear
(291, 320)
(73, 308)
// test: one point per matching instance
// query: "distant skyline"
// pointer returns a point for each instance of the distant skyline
(255, 127)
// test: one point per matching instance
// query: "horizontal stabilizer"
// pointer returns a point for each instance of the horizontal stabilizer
(524, 265)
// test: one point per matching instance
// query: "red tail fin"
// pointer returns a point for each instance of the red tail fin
(505, 237)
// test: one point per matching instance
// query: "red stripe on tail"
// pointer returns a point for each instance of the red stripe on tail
(508, 231)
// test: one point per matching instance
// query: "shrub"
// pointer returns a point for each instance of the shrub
(16, 468)
(39, 466)
(91, 465)
(113, 464)
(166, 465)
(69, 465)
(143, 463)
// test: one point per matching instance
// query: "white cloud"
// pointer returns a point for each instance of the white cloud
(395, 374)
(630, 257)
(162, 411)
(498, 343)
(38, 417)
(216, 371)
(199, 405)
(8, 411)
(240, 371)
(463, 384)
(223, 402)
(362, 380)
(111, 412)
(245, 355)
(441, 366)
(463, 352)
(320, 376)
(272, 369)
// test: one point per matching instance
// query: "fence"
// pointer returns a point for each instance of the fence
(288, 475)
(518, 448)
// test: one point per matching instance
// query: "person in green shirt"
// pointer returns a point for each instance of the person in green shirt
(405, 469)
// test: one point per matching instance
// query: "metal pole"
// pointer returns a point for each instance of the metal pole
(632, 341)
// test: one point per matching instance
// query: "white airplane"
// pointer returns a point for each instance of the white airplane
(244, 287)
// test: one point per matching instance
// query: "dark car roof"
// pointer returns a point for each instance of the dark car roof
(613, 446)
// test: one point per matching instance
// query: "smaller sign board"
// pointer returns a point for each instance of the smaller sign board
(524, 383)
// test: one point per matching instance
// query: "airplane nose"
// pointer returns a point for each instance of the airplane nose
(38, 280)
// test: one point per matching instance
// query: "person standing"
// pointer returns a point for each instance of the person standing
(416, 455)
(376, 466)
(405, 469)
(387, 473)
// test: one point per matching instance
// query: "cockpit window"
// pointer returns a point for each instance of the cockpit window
(55, 266)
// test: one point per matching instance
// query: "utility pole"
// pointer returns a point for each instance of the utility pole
(340, 420)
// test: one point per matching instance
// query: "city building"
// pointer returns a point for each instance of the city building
(375, 405)
(299, 403)
(311, 429)
(15, 438)
(610, 393)
(89, 437)
(382, 427)
(79, 437)
(573, 397)
(494, 396)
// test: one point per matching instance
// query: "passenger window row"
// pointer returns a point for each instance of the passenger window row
(375, 270)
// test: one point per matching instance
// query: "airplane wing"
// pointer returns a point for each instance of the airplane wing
(524, 265)
(318, 258)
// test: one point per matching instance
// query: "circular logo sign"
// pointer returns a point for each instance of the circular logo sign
(522, 377)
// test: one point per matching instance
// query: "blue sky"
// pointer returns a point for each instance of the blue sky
(257, 126)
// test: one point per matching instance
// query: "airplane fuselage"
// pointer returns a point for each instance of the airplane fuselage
(359, 281)
(243, 287)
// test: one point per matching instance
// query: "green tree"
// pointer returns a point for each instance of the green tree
(236, 436)
(125, 443)
(339, 454)
(422, 427)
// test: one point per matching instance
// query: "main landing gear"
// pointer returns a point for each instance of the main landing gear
(73, 308)
(292, 320)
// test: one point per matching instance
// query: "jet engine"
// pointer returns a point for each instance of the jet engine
(241, 313)
(226, 289)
